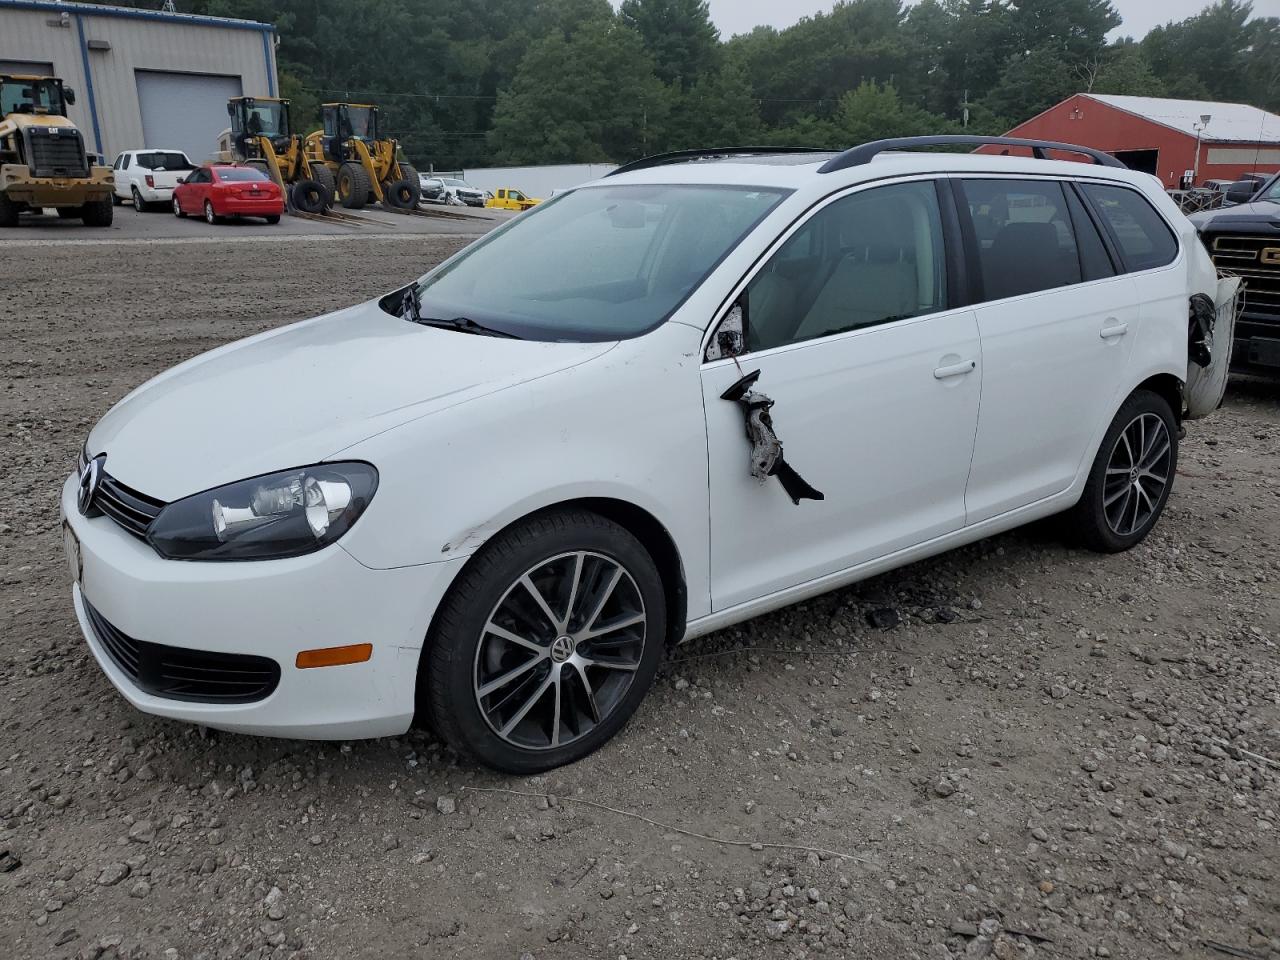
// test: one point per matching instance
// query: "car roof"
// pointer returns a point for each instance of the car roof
(800, 171)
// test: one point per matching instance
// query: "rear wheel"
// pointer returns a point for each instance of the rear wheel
(1131, 477)
(8, 212)
(116, 199)
(546, 644)
(209, 215)
(97, 213)
(353, 186)
(274, 218)
(138, 203)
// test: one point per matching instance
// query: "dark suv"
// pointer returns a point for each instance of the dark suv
(1245, 240)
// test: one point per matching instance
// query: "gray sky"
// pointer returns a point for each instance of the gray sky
(740, 16)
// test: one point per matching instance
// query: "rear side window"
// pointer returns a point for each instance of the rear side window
(1144, 239)
(1024, 236)
(1095, 262)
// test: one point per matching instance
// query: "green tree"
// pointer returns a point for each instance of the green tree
(872, 112)
(586, 98)
(1031, 84)
(679, 35)
(1124, 70)
(718, 111)
(1210, 51)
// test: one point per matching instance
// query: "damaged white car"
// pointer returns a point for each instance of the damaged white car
(495, 498)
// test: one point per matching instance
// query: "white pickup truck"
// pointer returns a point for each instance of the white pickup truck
(149, 176)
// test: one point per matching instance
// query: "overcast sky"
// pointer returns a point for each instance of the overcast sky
(740, 16)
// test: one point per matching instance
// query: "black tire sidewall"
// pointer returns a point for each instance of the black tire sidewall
(1094, 527)
(449, 658)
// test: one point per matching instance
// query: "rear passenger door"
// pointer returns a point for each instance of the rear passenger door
(1057, 320)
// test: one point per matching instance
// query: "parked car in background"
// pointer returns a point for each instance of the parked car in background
(1244, 239)
(450, 190)
(218, 191)
(149, 176)
(505, 198)
(498, 495)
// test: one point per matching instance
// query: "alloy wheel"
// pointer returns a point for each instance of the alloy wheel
(1137, 474)
(177, 208)
(137, 200)
(559, 650)
(209, 215)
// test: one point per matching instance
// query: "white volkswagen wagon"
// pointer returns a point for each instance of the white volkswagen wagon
(493, 499)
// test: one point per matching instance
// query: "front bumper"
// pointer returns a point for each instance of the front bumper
(273, 609)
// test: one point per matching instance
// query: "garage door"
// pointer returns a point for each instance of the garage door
(30, 68)
(184, 111)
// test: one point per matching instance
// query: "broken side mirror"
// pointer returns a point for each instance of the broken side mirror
(730, 338)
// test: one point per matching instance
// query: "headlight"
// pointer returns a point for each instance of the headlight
(283, 514)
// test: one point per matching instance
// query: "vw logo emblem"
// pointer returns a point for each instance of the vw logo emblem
(90, 477)
(562, 649)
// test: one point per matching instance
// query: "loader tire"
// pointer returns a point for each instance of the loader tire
(8, 212)
(403, 194)
(353, 186)
(324, 176)
(408, 172)
(97, 213)
(309, 196)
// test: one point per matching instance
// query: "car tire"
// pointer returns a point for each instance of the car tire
(353, 186)
(273, 219)
(590, 567)
(8, 212)
(97, 213)
(1131, 477)
(139, 204)
(117, 200)
(177, 209)
(209, 215)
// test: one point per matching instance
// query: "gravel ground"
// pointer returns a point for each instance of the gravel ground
(1045, 756)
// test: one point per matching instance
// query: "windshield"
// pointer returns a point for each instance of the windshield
(165, 161)
(238, 174)
(1273, 193)
(31, 96)
(457, 183)
(364, 123)
(265, 119)
(599, 263)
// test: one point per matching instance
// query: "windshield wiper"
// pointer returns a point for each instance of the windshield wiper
(411, 310)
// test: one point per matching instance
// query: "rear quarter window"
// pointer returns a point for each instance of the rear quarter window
(1144, 239)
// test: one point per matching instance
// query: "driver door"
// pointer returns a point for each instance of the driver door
(875, 379)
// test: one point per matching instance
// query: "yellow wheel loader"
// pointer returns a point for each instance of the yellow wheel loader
(260, 136)
(43, 162)
(363, 163)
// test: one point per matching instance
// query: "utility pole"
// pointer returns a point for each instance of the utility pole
(1199, 128)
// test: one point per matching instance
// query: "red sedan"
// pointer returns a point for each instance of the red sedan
(217, 191)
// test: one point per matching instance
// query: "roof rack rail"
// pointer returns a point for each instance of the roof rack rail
(864, 153)
(684, 156)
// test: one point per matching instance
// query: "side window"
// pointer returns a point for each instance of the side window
(116, 165)
(1145, 240)
(1024, 236)
(128, 161)
(869, 258)
(1095, 262)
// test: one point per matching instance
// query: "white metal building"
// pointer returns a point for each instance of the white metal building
(538, 182)
(143, 78)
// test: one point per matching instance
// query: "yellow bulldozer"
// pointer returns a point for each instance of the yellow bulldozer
(364, 165)
(43, 162)
(260, 136)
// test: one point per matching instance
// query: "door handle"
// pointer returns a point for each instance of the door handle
(1113, 328)
(954, 369)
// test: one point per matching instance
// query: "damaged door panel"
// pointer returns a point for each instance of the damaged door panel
(865, 422)
(766, 458)
(1209, 344)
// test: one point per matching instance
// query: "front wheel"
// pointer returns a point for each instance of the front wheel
(177, 208)
(1131, 477)
(546, 644)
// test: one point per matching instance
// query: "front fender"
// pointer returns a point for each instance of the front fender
(451, 480)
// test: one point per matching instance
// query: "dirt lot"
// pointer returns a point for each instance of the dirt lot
(1046, 757)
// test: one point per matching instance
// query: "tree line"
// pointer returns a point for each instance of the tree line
(486, 82)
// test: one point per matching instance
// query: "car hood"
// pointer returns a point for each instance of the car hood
(302, 393)
(1263, 212)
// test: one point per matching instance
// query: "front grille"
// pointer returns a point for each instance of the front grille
(56, 155)
(1257, 260)
(177, 673)
(132, 510)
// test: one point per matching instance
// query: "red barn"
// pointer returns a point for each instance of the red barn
(1162, 136)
